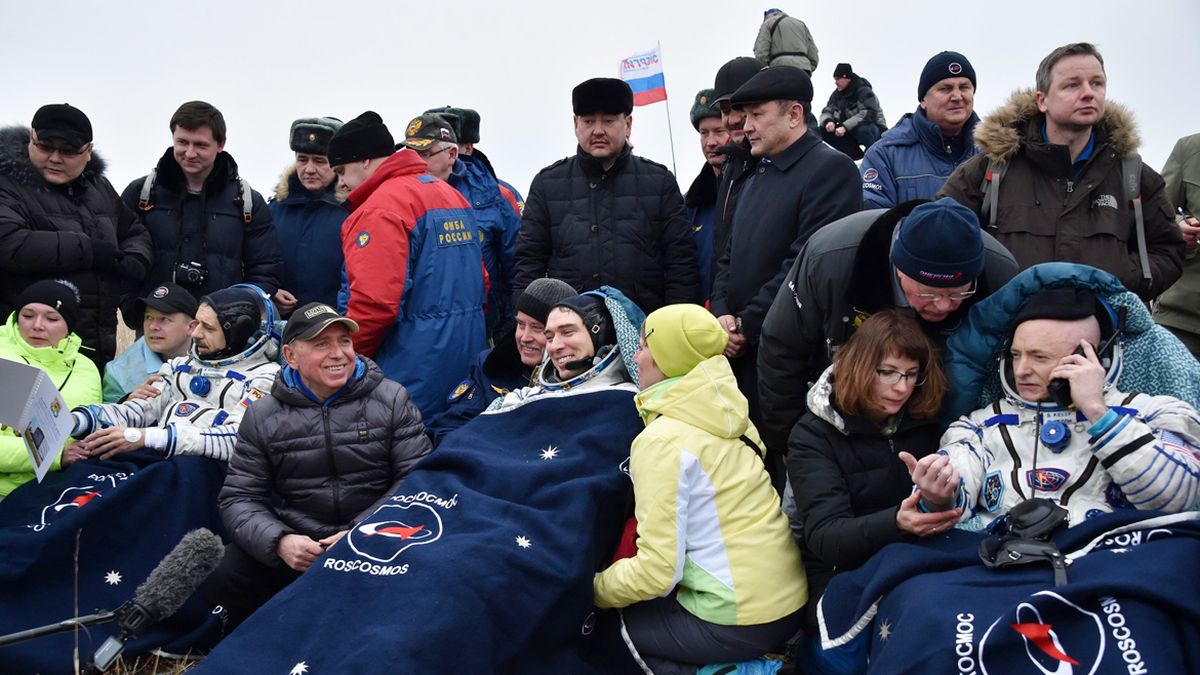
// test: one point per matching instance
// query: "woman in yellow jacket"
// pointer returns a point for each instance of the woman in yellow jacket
(717, 576)
(39, 333)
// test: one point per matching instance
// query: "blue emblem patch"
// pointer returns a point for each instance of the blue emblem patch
(1046, 480)
(363, 239)
(186, 408)
(993, 491)
(1092, 513)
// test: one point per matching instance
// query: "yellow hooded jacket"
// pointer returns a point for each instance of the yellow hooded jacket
(709, 521)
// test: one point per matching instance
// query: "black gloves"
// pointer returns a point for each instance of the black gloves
(106, 257)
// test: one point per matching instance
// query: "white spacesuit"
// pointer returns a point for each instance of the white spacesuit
(202, 399)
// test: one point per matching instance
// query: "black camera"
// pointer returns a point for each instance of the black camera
(191, 274)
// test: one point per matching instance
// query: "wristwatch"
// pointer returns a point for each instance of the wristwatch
(132, 435)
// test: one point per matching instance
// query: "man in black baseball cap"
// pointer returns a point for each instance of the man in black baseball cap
(802, 185)
(580, 224)
(433, 138)
(168, 314)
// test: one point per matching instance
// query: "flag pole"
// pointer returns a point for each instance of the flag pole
(670, 132)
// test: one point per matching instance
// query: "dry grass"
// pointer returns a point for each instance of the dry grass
(125, 337)
(153, 664)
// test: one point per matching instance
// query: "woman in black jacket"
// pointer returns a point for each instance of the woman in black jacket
(853, 494)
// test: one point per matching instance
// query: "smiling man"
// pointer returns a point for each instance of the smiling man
(917, 155)
(606, 217)
(61, 219)
(800, 185)
(331, 442)
(210, 229)
(512, 364)
(1057, 161)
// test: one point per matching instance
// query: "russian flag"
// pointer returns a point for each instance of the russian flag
(644, 74)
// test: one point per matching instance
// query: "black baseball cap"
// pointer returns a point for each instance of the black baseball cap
(169, 298)
(309, 320)
(61, 120)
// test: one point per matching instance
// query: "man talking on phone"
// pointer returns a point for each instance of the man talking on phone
(1062, 430)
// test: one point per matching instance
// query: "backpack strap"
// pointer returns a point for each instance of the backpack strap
(144, 203)
(1131, 180)
(753, 446)
(247, 200)
(990, 187)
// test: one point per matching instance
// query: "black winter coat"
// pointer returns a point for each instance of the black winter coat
(786, 199)
(625, 227)
(848, 483)
(79, 232)
(738, 166)
(329, 466)
(208, 228)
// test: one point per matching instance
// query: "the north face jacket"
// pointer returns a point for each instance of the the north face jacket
(1049, 213)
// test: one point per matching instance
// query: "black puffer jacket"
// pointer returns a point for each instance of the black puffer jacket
(625, 227)
(79, 232)
(329, 465)
(849, 482)
(208, 228)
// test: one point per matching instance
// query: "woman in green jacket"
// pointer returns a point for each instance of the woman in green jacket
(39, 333)
(717, 576)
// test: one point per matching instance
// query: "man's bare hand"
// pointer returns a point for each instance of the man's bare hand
(147, 389)
(935, 477)
(298, 551)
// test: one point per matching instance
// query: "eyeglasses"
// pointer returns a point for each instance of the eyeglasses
(425, 154)
(890, 377)
(955, 297)
(64, 152)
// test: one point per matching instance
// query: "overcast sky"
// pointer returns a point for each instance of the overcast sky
(129, 64)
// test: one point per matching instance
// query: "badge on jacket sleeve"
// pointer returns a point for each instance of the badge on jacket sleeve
(363, 239)
(462, 388)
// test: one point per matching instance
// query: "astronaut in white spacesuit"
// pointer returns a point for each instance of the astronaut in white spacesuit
(1063, 430)
(232, 363)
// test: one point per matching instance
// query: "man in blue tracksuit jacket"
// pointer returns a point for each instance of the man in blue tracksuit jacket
(914, 158)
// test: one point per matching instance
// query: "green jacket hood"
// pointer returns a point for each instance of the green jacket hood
(707, 398)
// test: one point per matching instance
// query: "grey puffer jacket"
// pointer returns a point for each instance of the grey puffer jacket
(330, 464)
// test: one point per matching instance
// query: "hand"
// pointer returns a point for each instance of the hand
(840, 131)
(332, 539)
(71, 453)
(1086, 376)
(910, 519)
(105, 255)
(829, 127)
(935, 477)
(1189, 229)
(285, 301)
(737, 341)
(298, 551)
(107, 443)
(147, 389)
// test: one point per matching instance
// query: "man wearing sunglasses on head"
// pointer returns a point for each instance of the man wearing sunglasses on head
(60, 218)
(927, 259)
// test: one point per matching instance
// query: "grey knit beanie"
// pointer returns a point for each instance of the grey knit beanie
(541, 295)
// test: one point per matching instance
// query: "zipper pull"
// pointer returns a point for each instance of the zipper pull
(1070, 186)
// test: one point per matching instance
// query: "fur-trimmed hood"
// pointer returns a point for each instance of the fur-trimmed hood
(1001, 133)
(284, 187)
(15, 164)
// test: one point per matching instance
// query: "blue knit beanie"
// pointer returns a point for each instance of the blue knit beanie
(941, 66)
(938, 244)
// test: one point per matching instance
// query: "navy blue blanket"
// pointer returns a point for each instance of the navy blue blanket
(128, 513)
(1131, 604)
(481, 563)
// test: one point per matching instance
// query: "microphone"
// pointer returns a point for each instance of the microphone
(169, 585)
